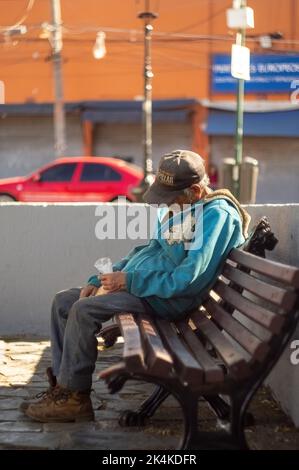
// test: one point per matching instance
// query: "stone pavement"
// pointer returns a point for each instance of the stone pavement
(22, 375)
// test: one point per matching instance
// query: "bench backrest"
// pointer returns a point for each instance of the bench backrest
(254, 304)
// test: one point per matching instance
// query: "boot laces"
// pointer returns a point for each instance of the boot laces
(44, 394)
(60, 394)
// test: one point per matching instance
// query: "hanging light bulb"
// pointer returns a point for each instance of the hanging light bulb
(99, 49)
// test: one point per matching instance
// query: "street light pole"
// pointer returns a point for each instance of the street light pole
(59, 114)
(240, 40)
(148, 178)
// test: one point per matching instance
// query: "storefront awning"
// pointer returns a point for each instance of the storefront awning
(115, 117)
(109, 111)
(263, 124)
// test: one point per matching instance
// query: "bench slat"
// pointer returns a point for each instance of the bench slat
(157, 358)
(267, 319)
(233, 360)
(187, 367)
(213, 373)
(115, 369)
(280, 272)
(254, 346)
(276, 295)
(133, 351)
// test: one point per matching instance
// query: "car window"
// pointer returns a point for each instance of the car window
(63, 172)
(99, 172)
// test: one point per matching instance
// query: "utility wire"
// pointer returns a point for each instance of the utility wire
(200, 23)
(21, 20)
(166, 38)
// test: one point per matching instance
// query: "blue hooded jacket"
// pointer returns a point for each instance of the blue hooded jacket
(173, 279)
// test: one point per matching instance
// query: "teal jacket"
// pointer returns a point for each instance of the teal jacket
(173, 279)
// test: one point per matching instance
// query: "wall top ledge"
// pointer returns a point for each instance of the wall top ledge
(95, 204)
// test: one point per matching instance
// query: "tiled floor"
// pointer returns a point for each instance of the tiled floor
(22, 375)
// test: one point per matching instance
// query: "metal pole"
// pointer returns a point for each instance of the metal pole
(148, 179)
(59, 114)
(241, 35)
(147, 102)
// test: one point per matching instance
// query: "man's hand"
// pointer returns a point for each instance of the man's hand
(114, 281)
(88, 291)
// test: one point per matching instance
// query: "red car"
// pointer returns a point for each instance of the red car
(73, 179)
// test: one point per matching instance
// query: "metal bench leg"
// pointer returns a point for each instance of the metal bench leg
(223, 410)
(219, 406)
(190, 411)
(146, 410)
(237, 424)
(110, 334)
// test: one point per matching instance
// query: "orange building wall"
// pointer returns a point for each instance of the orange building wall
(181, 68)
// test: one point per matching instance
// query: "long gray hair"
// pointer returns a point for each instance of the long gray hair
(204, 182)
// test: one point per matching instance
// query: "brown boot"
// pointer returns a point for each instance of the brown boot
(41, 396)
(62, 406)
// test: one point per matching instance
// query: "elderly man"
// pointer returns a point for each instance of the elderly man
(165, 278)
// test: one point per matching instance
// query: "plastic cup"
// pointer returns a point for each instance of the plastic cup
(104, 265)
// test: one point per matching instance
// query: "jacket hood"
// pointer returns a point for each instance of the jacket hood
(226, 194)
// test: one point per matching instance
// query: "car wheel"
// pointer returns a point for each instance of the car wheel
(6, 198)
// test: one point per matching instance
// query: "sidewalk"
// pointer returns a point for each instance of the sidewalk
(22, 375)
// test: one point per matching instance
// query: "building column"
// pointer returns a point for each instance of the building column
(88, 138)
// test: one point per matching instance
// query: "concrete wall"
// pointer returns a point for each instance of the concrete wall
(284, 220)
(47, 248)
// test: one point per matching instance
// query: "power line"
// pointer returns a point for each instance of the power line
(200, 23)
(22, 19)
(160, 38)
(169, 37)
(157, 36)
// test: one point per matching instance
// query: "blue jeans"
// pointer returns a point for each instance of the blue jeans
(74, 325)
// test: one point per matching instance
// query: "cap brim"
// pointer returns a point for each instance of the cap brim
(157, 194)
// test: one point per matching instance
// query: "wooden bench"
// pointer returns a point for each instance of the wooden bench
(225, 348)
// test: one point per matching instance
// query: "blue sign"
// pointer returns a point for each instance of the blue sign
(269, 73)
